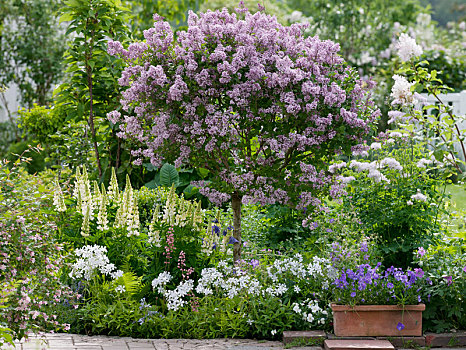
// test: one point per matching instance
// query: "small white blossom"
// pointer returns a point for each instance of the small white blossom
(419, 196)
(120, 289)
(117, 274)
(391, 163)
(337, 166)
(376, 145)
(91, 259)
(407, 48)
(162, 279)
(401, 91)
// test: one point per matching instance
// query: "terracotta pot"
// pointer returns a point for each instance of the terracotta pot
(377, 320)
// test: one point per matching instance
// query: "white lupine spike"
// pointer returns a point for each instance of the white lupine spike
(169, 212)
(102, 219)
(97, 196)
(79, 202)
(154, 235)
(58, 200)
(133, 217)
(113, 190)
(85, 225)
(76, 180)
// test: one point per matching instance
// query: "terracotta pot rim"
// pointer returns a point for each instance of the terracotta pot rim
(338, 307)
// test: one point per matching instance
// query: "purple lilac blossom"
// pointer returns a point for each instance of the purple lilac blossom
(205, 98)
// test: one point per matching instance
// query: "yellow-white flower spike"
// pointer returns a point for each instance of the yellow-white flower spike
(102, 218)
(85, 225)
(58, 200)
(113, 190)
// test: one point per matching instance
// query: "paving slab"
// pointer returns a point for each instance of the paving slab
(446, 339)
(310, 337)
(358, 345)
(66, 341)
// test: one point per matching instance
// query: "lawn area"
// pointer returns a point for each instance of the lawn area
(458, 195)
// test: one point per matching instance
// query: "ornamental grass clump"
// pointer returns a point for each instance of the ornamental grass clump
(367, 285)
(255, 103)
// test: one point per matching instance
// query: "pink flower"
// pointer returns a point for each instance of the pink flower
(421, 252)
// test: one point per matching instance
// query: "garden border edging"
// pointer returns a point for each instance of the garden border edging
(432, 340)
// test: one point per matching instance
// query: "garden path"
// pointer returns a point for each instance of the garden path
(62, 341)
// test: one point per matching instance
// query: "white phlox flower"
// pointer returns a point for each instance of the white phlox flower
(162, 279)
(92, 259)
(120, 289)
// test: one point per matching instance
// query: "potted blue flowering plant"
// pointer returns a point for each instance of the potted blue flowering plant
(376, 302)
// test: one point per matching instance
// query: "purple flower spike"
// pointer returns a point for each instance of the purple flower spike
(400, 326)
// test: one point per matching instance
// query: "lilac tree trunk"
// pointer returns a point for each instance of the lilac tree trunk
(236, 206)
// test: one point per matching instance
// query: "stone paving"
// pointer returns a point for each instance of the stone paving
(62, 341)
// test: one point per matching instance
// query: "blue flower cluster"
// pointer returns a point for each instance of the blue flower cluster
(371, 285)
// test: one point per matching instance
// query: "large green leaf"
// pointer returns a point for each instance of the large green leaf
(169, 175)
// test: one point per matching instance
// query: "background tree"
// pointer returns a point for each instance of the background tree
(31, 48)
(90, 88)
(251, 101)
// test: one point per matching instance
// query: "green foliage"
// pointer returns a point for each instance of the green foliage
(360, 27)
(91, 88)
(174, 11)
(169, 176)
(9, 133)
(31, 48)
(451, 70)
(285, 227)
(387, 207)
(34, 162)
(213, 317)
(41, 121)
(445, 11)
(445, 265)
(278, 9)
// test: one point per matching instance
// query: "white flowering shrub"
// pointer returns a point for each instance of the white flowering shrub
(395, 189)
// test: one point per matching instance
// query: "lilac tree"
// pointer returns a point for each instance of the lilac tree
(252, 101)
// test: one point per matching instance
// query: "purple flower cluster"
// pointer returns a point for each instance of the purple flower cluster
(251, 100)
(370, 285)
